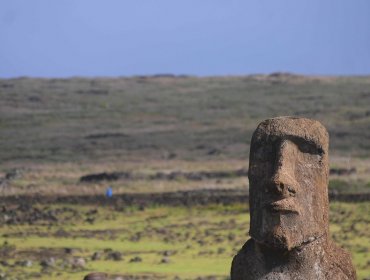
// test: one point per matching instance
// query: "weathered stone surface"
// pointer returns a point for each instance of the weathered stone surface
(289, 229)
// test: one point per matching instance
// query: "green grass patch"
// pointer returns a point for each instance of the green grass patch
(170, 241)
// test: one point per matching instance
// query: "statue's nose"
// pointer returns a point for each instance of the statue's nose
(283, 184)
(283, 181)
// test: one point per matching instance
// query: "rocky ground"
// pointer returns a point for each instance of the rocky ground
(67, 241)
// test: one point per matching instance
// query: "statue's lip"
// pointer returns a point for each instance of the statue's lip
(287, 205)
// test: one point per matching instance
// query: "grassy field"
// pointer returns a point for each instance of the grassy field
(54, 131)
(187, 118)
(64, 178)
(159, 242)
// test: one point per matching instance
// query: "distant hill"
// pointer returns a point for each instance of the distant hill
(168, 116)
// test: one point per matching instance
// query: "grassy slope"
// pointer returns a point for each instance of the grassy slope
(191, 118)
(61, 129)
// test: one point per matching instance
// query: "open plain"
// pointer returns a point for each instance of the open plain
(64, 141)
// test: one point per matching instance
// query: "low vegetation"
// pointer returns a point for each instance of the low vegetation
(161, 117)
(160, 242)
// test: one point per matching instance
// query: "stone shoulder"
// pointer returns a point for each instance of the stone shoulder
(242, 267)
(341, 260)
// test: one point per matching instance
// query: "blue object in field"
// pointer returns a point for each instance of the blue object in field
(109, 192)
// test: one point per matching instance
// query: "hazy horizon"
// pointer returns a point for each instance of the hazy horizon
(183, 75)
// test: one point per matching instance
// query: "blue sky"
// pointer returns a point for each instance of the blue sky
(44, 38)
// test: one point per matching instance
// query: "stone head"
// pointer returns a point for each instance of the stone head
(288, 178)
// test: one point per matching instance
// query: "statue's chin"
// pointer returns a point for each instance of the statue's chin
(283, 238)
(278, 242)
(278, 238)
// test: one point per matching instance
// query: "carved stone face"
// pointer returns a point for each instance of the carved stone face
(288, 176)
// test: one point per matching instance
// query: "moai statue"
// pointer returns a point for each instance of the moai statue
(289, 205)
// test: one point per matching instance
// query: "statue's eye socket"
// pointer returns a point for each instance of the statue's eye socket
(263, 153)
(310, 148)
